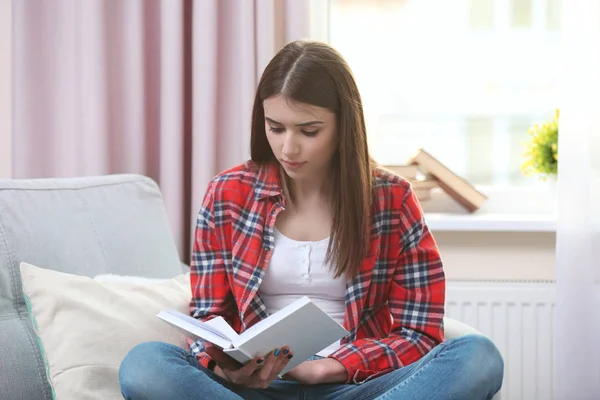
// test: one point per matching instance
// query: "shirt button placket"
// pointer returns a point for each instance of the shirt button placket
(306, 262)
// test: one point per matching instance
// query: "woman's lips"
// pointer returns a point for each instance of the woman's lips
(293, 165)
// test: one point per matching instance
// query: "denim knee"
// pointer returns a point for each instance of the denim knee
(141, 372)
(487, 365)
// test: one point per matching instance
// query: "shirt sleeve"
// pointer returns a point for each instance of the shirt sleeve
(211, 293)
(415, 300)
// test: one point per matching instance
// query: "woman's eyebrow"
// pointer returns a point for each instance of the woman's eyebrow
(272, 121)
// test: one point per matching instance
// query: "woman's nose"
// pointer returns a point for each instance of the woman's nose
(290, 145)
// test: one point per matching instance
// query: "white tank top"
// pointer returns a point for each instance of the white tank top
(298, 269)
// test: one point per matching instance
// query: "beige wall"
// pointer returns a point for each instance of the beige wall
(5, 87)
(497, 255)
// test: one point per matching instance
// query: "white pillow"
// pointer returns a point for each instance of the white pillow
(113, 278)
(87, 327)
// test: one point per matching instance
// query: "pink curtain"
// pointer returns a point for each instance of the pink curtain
(162, 88)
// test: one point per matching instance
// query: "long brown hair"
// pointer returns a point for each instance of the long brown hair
(314, 73)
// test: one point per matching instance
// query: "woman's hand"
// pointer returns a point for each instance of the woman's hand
(257, 373)
(326, 370)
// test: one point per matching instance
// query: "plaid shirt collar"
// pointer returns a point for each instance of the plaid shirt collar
(268, 182)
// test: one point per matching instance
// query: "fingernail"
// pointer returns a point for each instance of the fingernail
(276, 353)
(290, 356)
(259, 361)
(286, 351)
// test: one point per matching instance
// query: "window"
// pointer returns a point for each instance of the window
(463, 79)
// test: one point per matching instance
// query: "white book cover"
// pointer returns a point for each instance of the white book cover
(302, 326)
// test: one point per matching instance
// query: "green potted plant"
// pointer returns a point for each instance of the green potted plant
(541, 150)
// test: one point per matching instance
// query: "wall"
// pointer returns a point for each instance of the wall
(5, 87)
(498, 256)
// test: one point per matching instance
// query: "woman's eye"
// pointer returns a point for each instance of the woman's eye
(276, 130)
(310, 133)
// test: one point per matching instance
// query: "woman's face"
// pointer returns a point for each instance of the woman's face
(302, 136)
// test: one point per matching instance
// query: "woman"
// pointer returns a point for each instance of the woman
(311, 214)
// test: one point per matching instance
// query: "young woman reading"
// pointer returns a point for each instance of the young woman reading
(312, 214)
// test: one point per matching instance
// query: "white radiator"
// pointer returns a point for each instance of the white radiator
(519, 318)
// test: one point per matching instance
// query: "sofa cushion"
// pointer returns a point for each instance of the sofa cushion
(87, 327)
(113, 224)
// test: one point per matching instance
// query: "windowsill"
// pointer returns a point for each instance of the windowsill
(478, 222)
(531, 209)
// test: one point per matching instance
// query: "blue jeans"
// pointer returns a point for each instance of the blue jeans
(468, 367)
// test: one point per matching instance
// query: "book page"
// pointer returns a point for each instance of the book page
(221, 325)
(205, 325)
(271, 320)
(302, 326)
(196, 330)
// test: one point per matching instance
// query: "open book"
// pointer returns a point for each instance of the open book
(302, 326)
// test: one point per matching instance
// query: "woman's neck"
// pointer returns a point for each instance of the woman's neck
(310, 192)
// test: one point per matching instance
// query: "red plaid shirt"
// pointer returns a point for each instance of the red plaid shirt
(394, 306)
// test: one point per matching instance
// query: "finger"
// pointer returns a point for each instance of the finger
(283, 359)
(222, 359)
(252, 366)
(270, 361)
(245, 375)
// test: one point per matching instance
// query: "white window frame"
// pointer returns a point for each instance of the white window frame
(507, 208)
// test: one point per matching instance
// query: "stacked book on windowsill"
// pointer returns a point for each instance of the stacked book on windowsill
(425, 173)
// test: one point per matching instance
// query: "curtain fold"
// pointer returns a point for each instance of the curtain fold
(577, 314)
(162, 88)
